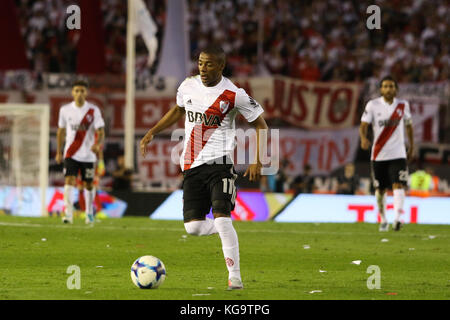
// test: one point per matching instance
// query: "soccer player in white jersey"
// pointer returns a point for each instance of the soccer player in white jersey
(388, 117)
(81, 125)
(210, 103)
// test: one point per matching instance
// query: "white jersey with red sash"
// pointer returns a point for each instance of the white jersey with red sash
(80, 124)
(388, 121)
(210, 115)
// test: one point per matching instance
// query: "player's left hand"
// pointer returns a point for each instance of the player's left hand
(253, 172)
(143, 144)
(95, 148)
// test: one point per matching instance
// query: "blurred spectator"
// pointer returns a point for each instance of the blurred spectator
(274, 61)
(420, 183)
(268, 183)
(281, 177)
(304, 183)
(434, 179)
(348, 182)
(423, 181)
(122, 176)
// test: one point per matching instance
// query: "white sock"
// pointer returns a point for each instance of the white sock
(230, 245)
(399, 199)
(201, 227)
(381, 202)
(89, 196)
(68, 201)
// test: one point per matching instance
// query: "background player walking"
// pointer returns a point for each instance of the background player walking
(81, 125)
(388, 117)
(211, 102)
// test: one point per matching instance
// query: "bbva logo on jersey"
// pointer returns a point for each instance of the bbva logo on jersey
(211, 120)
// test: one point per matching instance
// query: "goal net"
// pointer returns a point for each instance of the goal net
(24, 158)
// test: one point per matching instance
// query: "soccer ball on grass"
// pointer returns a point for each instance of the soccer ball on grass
(148, 272)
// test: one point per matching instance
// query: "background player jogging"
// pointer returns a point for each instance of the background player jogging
(210, 103)
(388, 117)
(81, 125)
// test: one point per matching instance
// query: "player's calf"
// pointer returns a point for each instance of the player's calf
(399, 199)
(89, 195)
(68, 203)
(230, 246)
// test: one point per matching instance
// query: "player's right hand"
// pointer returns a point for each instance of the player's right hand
(144, 142)
(58, 157)
(365, 144)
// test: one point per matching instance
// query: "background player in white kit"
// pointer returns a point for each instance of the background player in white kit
(211, 103)
(81, 125)
(388, 117)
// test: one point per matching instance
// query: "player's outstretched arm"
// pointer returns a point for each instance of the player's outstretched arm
(60, 136)
(254, 170)
(363, 129)
(171, 117)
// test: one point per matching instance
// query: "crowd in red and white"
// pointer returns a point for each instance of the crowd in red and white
(321, 40)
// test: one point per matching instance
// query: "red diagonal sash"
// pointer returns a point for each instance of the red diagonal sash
(198, 138)
(388, 130)
(81, 133)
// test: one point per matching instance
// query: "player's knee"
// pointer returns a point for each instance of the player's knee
(397, 186)
(222, 207)
(193, 228)
(70, 180)
(89, 185)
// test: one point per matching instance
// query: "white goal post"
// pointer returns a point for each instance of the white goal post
(24, 152)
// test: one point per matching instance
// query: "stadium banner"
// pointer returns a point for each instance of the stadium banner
(424, 100)
(150, 106)
(347, 209)
(324, 150)
(26, 202)
(161, 164)
(249, 206)
(305, 104)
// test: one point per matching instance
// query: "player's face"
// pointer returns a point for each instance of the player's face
(388, 89)
(79, 94)
(210, 68)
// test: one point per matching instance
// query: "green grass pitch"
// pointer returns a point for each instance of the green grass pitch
(279, 261)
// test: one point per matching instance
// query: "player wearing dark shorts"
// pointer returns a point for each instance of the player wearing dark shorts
(73, 167)
(208, 186)
(81, 131)
(389, 172)
(210, 103)
(388, 117)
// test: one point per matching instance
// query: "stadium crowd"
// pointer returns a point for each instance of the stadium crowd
(315, 40)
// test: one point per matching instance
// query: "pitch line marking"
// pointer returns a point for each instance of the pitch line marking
(36, 225)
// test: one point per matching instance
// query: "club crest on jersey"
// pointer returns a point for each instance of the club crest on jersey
(224, 106)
